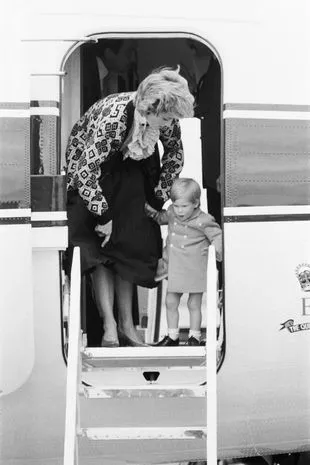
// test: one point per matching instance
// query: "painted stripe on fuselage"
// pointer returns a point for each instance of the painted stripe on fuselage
(49, 216)
(267, 213)
(267, 114)
(14, 220)
(266, 107)
(14, 113)
(44, 107)
(15, 212)
(48, 224)
(267, 210)
(44, 111)
(266, 111)
(265, 218)
(25, 113)
(37, 219)
(48, 219)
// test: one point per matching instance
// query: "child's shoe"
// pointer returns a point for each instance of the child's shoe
(162, 271)
(167, 341)
(192, 341)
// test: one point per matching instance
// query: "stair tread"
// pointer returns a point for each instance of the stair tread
(144, 356)
(150, 390)
(168, 432)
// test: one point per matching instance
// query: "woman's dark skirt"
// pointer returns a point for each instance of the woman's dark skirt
(135, 244)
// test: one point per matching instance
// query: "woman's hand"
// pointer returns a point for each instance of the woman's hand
(104, 230)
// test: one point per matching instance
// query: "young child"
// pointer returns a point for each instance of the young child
(190, 232)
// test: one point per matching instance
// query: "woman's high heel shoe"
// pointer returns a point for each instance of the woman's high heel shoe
(125, 341)
(105, 343)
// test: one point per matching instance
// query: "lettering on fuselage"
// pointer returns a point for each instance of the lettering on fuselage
(305, 305)
(294, 328)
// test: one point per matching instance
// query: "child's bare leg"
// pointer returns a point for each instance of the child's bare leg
(172, 306)
(194, 306)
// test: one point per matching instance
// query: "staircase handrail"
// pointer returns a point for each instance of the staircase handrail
(73, 362)
(211, 357)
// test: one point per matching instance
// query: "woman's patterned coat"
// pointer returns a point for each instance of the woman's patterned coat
(98, 134)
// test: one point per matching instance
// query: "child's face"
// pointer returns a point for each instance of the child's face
(184, 208)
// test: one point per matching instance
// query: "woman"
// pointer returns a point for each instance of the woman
(113, 168)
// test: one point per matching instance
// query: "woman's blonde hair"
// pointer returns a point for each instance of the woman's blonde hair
(165, 91)
(185, 187)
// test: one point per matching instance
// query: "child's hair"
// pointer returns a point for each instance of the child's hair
(165, 91)
(185, 187)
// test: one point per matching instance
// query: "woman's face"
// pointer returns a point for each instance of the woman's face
(157, 121)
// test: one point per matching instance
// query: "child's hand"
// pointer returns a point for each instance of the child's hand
(149, 211)
(105, 231)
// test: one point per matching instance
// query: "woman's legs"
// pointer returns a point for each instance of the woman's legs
(103, 284)
(124, 296)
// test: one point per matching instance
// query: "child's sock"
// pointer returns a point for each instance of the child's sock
(195, 334)
(173, 334)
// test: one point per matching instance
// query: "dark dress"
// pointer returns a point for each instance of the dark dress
(135, 244)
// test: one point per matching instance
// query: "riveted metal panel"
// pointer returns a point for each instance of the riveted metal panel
(267, 162)
(14, 161)
(14, 105)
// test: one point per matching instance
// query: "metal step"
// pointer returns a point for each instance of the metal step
(102, 357)
(179, 376)
(108, 434)
(151, 390)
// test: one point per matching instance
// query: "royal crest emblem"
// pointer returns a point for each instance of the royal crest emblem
(303, 276)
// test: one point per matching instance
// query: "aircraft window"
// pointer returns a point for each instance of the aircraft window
(134, 59)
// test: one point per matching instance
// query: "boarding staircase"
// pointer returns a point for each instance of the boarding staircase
(139, 372)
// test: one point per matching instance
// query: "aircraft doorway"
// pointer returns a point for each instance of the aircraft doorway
(113, 65)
